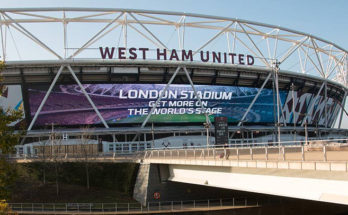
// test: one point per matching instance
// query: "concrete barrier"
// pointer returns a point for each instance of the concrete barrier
(308, 165)
(283, 165)
(252, 164)
(272, 164)
(243, 164)
(295, 165)
(338, 166)
(323, 166)
(261, 164)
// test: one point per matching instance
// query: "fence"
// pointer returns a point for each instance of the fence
(316, 150)
(209, 204)
(312, 150)
(62, 157)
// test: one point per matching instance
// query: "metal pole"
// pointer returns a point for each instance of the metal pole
(275, 78)
(31, 36)
(325, 104)
(160, 97)
(153, 135)
(46, 96)
(293, 109)
(254, 100)
(344, 103)
(302, 153)
(207, 135)
(306, 133)
(313, 103)
(87, 96)
(198, 98)
(266, 152)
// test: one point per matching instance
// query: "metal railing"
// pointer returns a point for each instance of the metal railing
(312, 150)
(70, 157)
(316, 150)
(209, 204)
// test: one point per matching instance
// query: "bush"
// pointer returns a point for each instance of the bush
(4, 208)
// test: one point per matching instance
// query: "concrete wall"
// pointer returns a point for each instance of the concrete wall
(141, 184)
(153, 178)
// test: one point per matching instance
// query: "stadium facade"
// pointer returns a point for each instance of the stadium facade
(144, 79)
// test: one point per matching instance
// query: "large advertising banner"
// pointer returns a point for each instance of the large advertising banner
(131, 103)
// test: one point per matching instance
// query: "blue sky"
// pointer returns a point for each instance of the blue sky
(324, 18)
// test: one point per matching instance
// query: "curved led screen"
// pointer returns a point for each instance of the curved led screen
(131, 103)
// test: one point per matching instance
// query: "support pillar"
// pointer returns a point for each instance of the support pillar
(46, 96)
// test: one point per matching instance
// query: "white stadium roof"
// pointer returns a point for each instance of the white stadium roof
(75, 34)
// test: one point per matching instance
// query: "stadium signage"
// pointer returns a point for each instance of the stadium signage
(175, 55)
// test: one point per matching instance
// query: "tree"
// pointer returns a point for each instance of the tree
(8, 139)
(5, 208)
(42, 152)
(55, 157)
(86, 154)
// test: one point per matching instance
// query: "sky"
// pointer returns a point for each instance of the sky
(326, 19)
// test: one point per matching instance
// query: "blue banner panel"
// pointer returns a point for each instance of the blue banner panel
(131, 103)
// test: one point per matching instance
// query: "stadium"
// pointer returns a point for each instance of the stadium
(135, 79)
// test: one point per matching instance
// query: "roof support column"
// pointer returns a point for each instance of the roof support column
(160, 97)
(275, 78)
(198, 98)
(254, 100)
(325, 109)
(342, 109)
(279, 104)
(312, 104)
(46, 96)
(87, 96)
(293, 109)
(251, 104)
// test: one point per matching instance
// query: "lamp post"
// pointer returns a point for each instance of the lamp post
(306, 133)
(207, 126)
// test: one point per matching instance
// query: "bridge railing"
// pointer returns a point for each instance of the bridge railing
(107, 156)
(311, 150)
(315, 150)
(187, 205)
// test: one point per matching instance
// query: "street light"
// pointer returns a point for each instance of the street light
(207, 126)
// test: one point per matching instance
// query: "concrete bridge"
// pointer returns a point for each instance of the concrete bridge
(313, 172)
